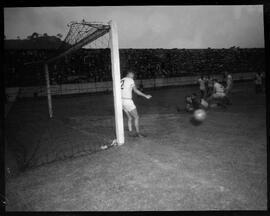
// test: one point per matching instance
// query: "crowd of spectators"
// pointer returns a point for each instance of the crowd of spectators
(94, 65)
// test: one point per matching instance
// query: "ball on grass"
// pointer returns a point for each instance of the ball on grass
(199, 115)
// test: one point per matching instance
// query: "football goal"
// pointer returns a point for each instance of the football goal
(89, 35)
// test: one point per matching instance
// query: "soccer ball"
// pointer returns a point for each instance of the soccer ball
(199, 115)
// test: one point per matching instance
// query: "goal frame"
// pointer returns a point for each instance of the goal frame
(111, 28)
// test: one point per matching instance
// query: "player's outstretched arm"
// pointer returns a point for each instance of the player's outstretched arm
(138, 92)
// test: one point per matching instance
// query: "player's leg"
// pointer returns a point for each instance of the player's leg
(211, 91)
(129, 120)
(227, 93)
(189, 108)
(135, 115)
(204, 104)
(132, 111)
(256, 88)
(210, 100)
(202, 93)
(216, 99)
(128, 105)
(223, 101)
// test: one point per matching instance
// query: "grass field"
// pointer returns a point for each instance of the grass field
(218, 165)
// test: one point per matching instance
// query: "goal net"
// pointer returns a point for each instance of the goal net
(76, 125)
(83, 34)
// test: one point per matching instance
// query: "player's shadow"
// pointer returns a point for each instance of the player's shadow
(195, 122)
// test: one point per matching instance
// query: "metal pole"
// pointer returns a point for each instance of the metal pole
(48, 90)
(116, 83)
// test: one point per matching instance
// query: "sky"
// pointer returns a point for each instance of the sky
(150, 26)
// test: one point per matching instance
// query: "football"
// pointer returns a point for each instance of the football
(199, 115)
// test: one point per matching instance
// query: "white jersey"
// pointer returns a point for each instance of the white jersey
(127, 85)
(202, 84)
(218, 88)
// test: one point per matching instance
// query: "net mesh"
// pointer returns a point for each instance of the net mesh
(82, 124)
(83, 33)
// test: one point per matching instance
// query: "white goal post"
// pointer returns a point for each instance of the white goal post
(116, 75)
(110, 27)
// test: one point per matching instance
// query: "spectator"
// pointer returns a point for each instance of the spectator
(258, 83)
(229, 82)
(172, 63)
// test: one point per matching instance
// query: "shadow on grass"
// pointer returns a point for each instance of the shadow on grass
(195, 122)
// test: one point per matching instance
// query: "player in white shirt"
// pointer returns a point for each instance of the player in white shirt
(219, 90)
(218, 94)
(202, 82)
(229, 82)
(127, 85)
(229, 85)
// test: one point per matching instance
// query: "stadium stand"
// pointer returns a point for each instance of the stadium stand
(91, 65)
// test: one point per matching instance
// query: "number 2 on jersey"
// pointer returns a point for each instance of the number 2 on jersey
(122, 84)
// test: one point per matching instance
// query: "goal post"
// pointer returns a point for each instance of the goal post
(75, 40)
(48, 88)
(116, 83)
